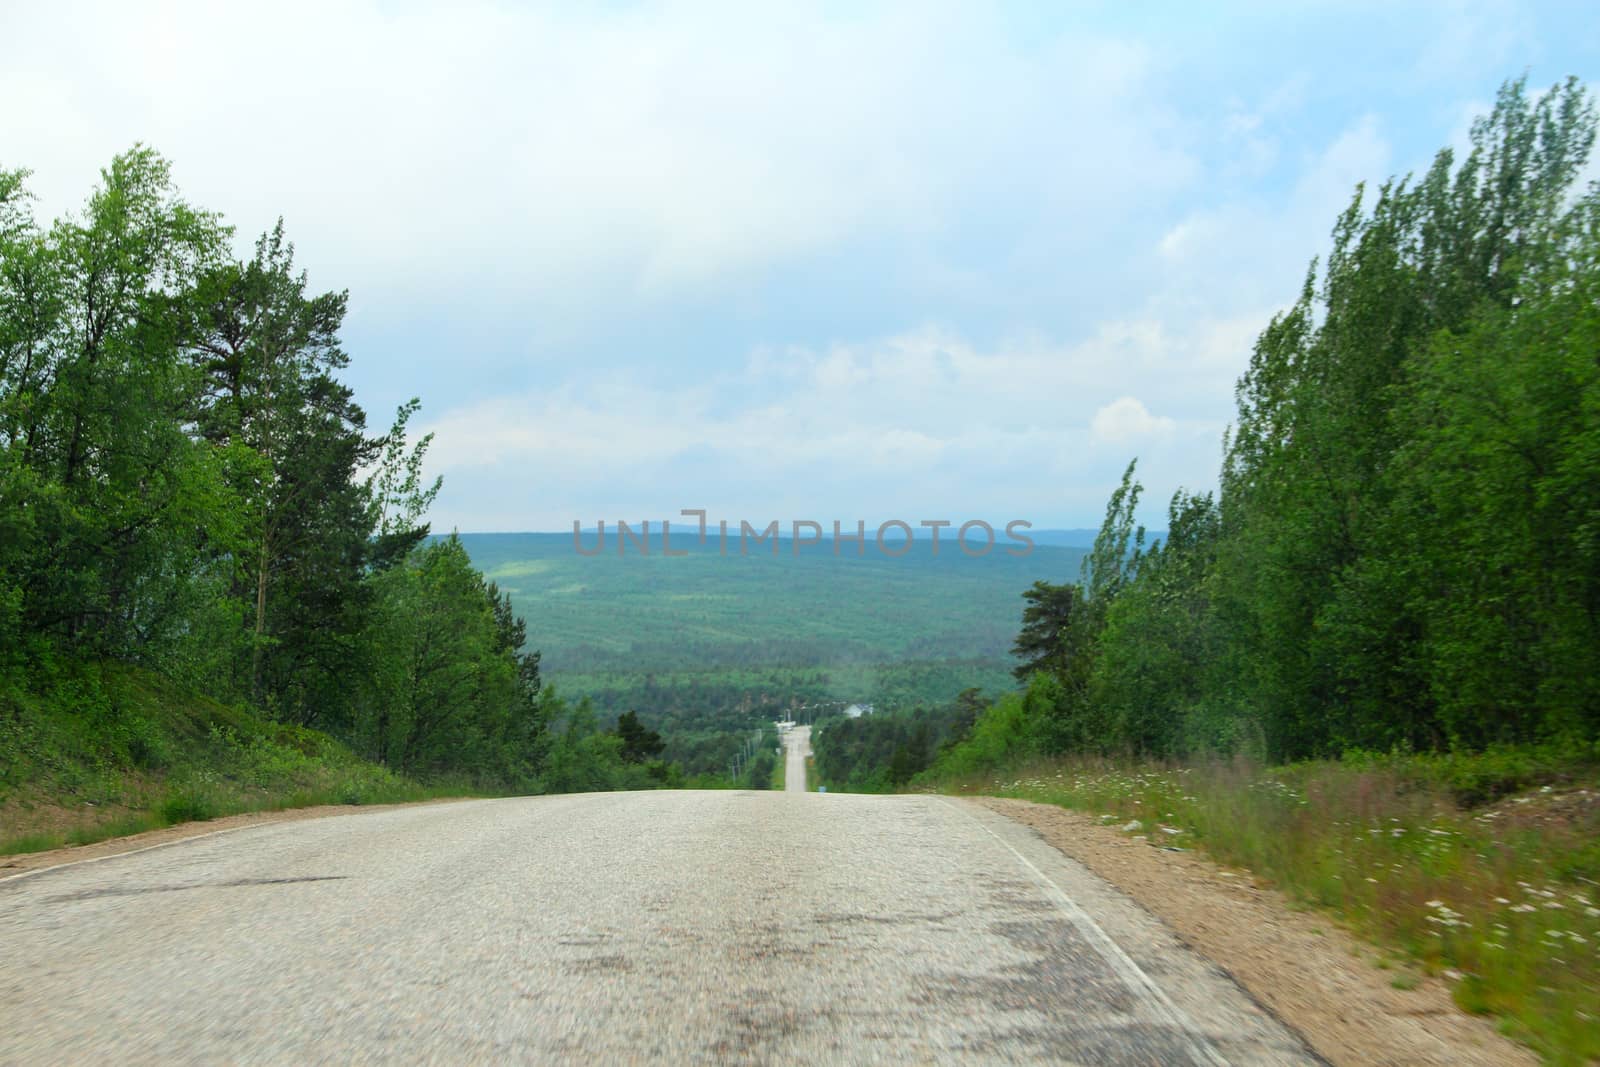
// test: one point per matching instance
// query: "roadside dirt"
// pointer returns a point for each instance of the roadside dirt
(1315, 976)
(21, 863)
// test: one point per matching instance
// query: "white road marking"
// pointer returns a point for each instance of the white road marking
(1141, 984)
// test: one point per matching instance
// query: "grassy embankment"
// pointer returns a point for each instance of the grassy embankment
(116, 751)
(1485, 869)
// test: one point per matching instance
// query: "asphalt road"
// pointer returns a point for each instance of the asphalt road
(796, 747)
(628, 927)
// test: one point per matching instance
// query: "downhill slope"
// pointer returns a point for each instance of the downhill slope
(741, 927)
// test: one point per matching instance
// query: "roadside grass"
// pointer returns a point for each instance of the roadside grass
(30, 843)
(187, 805)
(132, 752)
(1485, 870)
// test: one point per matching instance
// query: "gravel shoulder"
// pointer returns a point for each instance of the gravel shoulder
(1315, 976)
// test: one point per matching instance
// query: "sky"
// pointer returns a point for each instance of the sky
(777, 261)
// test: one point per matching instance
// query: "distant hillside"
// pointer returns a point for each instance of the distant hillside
(631, 612)
(706, 643)
(1077, 538)
(1083, 539)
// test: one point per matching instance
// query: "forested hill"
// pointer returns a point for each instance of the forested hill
(707, 646)
(771, 605)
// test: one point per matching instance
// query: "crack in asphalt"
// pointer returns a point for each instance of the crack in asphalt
(141, 890)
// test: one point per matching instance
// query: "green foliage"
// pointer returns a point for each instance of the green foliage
(1378, 475)
(761, 768)
(129, 751)
(885, 750)
(704, 714)
(400, 495)
(1504, 421)
(1012, 728)
(1151, 679)
(582, 758)
(444, 690)
(1476, 778)
(187, 486)
(1053, 625)
(706, 647)
(1114, 560)
(639, 743)
(1405, 555)
(106, 498)
(186, 805)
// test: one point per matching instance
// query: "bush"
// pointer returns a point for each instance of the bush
(1001, 734)
(1474, 779)
(186, 805)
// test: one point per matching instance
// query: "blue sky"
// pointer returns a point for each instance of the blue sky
(842, 261)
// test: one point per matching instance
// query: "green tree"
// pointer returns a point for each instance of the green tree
(639, 743)
(267, 353)
(126, 513)
(1503, 459)
(446, 689)
(1157, 654)
(1320, 558)
(1113, 561)
(762, 769)
(1051, 634)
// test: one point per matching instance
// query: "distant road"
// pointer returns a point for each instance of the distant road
(627, 927)
(797, 746)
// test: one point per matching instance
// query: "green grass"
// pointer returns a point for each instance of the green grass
(111, 751)
(187, 806)
(36, 842)
(1504, 900)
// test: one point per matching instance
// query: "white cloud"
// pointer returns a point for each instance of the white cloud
(635, 152)
(917, 423)
(574, 222)
(1126, 419)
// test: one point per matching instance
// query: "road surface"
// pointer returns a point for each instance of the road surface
(626, 927)
(796, 746)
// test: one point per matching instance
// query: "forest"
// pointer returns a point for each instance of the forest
(191, 497)
(1405, 551)
(884, 751)
(706, 647)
